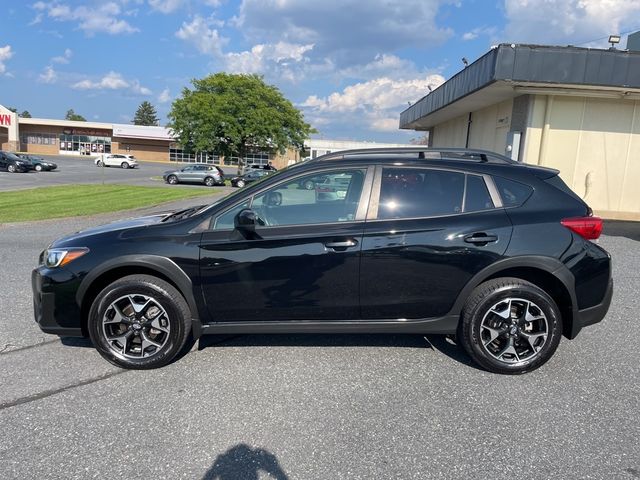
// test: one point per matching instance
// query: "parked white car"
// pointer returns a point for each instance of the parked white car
(116, 160)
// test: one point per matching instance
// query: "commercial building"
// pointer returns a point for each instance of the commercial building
(574, 109)
(88, 139)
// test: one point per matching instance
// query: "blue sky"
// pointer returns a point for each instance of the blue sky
(351, 66)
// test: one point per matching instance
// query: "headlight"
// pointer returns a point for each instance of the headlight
(57, 257)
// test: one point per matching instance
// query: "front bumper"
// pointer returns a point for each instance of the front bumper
(54, 306)
(591, 315)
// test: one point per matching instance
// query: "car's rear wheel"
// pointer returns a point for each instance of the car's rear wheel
(240, 183)
(172, 179)
(510, 326)
(209, 182)
(38, 168)
(124, 165)
(139, 322)
(309, 185)
(12, 169)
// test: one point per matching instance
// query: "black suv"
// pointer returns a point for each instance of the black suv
(415, 241)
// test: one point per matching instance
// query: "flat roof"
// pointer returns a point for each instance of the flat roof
(507, 70)
(118, 129)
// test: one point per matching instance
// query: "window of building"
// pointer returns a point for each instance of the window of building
(178, 155)
(85, 144)
(38, 138)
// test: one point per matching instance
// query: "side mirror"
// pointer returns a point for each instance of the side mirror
(246, 221)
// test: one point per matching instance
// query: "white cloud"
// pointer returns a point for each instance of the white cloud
(479, 31)
(102, 18)
(568, 21)
(5, 54)
(377, 102)
(64, 58)
(165, 96)
(199, 33)
(112, 81)
(166, 6)
(282, 59)
(49, 75)
(347, 32)
(470, 36)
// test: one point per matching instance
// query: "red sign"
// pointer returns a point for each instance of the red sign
(5, 119)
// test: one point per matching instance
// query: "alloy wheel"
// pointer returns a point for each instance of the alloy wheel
(514, 330)
(135, 326)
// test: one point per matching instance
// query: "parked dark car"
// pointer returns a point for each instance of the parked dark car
(249, 177)
(208, 175)
(39, 164)
(423, 241)
(12, 164)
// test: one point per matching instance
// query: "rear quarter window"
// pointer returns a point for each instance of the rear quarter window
(513, 193)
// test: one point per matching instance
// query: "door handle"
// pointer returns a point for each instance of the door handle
(343, 245)
(480, 238)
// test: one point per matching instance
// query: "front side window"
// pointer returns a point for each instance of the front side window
(335, 199)
(415, 193)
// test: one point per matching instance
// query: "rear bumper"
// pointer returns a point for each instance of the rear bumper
(591, 315)
(46, 304)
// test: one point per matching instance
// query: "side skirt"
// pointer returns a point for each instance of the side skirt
(442, 325)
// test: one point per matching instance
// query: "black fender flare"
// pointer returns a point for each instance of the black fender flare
(162, 265)
(547, 264)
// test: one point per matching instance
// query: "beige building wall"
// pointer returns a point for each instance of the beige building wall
(489, 128)
(145, 150)
(595, 143)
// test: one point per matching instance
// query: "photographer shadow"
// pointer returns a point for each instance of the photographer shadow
(241, 462)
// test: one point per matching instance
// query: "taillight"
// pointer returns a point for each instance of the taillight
(588, 228)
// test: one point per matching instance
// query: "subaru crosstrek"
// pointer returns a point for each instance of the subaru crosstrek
(421, 241)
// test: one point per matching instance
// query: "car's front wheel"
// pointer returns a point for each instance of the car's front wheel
(172, 179)
(12, 169)
(240, 183)
(139, 322)
(100, 163)
(38, 168)
(510, 326)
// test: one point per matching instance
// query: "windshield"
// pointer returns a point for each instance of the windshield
(14, 157)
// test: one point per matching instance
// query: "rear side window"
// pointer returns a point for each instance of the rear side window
(477, 196)
(513, 193)
(414, 193)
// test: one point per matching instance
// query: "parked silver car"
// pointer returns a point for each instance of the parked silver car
(208, 175)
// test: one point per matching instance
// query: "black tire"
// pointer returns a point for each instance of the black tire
(309, 185)
(100, 163)
(11, 168)
(209, 182)
(172, 180)
(124, 165)
(176, 320)
(240, 183)
(38, 168)
(475, 335)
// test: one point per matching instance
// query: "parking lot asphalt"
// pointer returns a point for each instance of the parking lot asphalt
(74, 170)
(314, 406)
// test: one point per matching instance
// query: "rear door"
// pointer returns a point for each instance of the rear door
(427, 233)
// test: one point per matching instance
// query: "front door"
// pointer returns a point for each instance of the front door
(303, 264)
(432, 231)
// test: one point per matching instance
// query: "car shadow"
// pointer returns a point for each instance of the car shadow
(447, 345)
(619, 228)
(242, 462)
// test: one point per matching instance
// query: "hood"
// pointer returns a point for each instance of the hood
(113, 227)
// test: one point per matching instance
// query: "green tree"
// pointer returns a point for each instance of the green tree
(25, 114)
(229, 114)
(146, 115)
(12, 109)
(71, 115)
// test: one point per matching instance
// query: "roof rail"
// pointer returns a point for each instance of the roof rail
(422, 153)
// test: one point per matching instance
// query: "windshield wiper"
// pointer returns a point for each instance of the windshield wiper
(180, 214)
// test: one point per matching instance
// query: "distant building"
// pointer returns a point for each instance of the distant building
(574, 109)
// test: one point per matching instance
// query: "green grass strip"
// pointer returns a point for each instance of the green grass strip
(75, 200)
